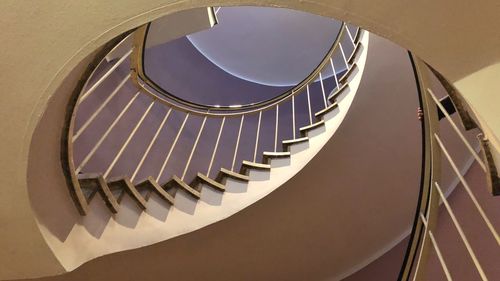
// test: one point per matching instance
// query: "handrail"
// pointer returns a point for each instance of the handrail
(422, 239)
(145, 83)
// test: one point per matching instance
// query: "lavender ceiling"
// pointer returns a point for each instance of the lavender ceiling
(269, 46)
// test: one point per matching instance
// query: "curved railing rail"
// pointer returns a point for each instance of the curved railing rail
(423, 239)
(123, 137)
(149, 86)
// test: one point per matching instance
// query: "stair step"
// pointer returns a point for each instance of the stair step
(247, 165)
(125, 185)
(89, 176)
(334, 95)
(97, 183)
(313, 126)
(176, 182)
(357, 47)
(347, 73)
(357, 36)
(227, 173)
(274, 155)
(331, 107)
(151, 184)
(288, 143)
(217, 185)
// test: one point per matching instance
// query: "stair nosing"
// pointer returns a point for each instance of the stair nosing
(184, 186)
(211, 182)
(233, 175)
(348, 73)
(254, 165)
(131, 190)
(312, 126)
(326, 110)
(333, 96)
(354, 52)
(287, 143)
(157, 188)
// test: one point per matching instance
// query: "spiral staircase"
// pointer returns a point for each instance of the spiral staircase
(216, 160)
(143, 165)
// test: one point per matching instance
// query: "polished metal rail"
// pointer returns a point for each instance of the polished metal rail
(432, 195)
(149, 87)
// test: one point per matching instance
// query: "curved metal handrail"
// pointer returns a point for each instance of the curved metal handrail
(150, 87)
(422, 240)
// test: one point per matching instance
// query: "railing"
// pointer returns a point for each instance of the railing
(110, 151)
(149, 86)
(423, 240)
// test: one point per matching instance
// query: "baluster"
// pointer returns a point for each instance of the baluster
(257, 137)
(344, 57)
(468, 189)
(172, 148)
(103, 137)
(293, 114)
(151, 143)
(455, 127)
(323, 89)
(461, 233)
(309, 105)
(276, 128)
(194, 148)
(106, 75)
(334, 74)
(237, 142)
(350, 35)
(100, 108)
(216, 146)
(132, 134)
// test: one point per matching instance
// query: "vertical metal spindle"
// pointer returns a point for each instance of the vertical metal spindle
(237, 142)
(309, 105)
(124, 146)
(344, 57)
(322, 89)
(172, 148)
(293, 115)
(334, 74)
(194, 148)
(276, 128)
(350, 35)
(101, 140)
(257, 137)
(100, 108)
(216, 146)
(106, 75)
(151, 143)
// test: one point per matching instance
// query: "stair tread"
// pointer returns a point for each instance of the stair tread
(211, 182)
(156, 187)
(299, 140)
(348, 73)
(255, 165)
(103, 189)
(326, 110)
(357, 47)
(231, 174)
(127, 186)
(277, 154)
(88, 176)
(180, 183)
(335, 94)
(312, 126)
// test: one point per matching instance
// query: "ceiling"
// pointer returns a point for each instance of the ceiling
(269, 46)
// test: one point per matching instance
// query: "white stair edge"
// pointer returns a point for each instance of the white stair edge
(161, 222)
